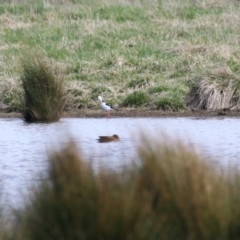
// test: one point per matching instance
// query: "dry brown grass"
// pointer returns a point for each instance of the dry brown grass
(11, 93)
(215, 91)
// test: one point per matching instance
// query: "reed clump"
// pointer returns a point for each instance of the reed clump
(78, 203)
(43, 90)
(170, 194)
(187, 197)
(215, 91)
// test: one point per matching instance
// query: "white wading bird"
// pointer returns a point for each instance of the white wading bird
(105, 107)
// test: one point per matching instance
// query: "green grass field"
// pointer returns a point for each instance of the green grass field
(134, 53)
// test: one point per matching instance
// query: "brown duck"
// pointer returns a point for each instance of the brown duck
(106, 139)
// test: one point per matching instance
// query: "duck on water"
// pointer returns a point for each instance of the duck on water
(106, 139)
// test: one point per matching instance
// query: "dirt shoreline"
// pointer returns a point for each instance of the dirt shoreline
(135, 113)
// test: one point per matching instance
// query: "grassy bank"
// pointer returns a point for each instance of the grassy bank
(134, 53)
(171, 193)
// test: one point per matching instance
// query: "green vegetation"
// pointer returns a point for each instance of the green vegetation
(43, 91)
(170, 193)
(118, 48)
(135, 99)
(170, 103)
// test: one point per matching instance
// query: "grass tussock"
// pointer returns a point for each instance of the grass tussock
(171, 194)
(43, 90)
(78, 203)
(215, 91)
(136, 99)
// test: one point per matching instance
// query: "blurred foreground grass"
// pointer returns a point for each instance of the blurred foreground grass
(170, 194)
(134, 53)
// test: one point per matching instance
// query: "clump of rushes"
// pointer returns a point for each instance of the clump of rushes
(215, 91)
(74, 202)
(170, 194)
(135, 99)
(167, 98)
(187, 197)
(43, 90)
(171, 103)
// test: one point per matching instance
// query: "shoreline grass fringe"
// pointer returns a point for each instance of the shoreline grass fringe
(215, 91)
(43, 89)
(172, 194)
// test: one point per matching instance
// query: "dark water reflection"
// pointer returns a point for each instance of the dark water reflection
(23, 146)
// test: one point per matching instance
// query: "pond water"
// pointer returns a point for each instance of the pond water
(23, 146)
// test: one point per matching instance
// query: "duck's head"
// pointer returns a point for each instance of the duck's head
(116, 137)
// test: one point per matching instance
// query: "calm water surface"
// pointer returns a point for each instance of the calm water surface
(23, 146)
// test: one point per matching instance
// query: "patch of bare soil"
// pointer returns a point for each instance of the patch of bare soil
(150, 113)
(131, 113)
